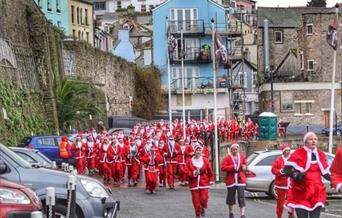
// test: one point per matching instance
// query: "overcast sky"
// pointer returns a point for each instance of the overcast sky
(286, 3)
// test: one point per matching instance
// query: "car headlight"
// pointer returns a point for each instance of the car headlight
(12, 196)
(94, 188)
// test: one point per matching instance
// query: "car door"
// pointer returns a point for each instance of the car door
(262, 169)
(47, 145)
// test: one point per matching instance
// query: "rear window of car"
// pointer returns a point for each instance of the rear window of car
(267, 161)
(47, 141)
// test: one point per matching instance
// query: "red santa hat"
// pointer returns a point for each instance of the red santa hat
(284, 147)
(307, 135)
(234, 145)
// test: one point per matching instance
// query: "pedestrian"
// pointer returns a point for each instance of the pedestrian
(114, 153)
(336, 171)
(281, 180)
(201, 176)
(133, 164)
(306, 166)
(91, 153)
(234, 164)
(64, 149)
(170, 151)
(80, 152)
(182, 164)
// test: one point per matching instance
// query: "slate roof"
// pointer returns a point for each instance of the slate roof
(287, 17)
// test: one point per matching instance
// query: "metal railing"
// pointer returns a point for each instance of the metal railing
(187, 26)
(192, 55)
(196, 83)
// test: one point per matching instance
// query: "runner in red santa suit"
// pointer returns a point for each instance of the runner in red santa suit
(170, 152)
(151, 159)
(190, 150)
(133, 164)
(306, 166)
(234, 164)
(182, 163)
(80, 152)
(91, 151)
(124, 147)
(113, 156)
(336, 171)
(249, 129)
(281, 180)
(162, 165)
(201, 176)
(103, 161)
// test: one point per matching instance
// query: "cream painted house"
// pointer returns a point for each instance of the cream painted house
(81, 22)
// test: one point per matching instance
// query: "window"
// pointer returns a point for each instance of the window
(49, 5)
(99, 6)
(301, 56)
(72, 14)
(150, 7)
(191, 77)
(255, 79)
(118, 5)
(81, 16)
(143, 8)
(87, 35)
(311, 65)
(303, 107)
(286, 99)
(46, 142)
(267, 161)
(79, 35)
(309, 29)
(74, 33)
(86, 17)
(58, 6)
(82, 36)
(242, 79)
(78, 15)
(26, 157)
(278, 36)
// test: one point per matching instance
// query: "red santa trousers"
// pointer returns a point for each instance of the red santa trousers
(151, 180)
(80, 165)
(280, 201)
(106, 169)
(200, 200)
(171, 172)
(183, 173)
(116, 171)
(91, 162)
(133, 171)
(162, 174)
(123, 170)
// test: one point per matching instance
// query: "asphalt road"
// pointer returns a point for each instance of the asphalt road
(177, 204)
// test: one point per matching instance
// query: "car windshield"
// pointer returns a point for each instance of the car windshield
(43, 157)
(4, 151)
(251, 158)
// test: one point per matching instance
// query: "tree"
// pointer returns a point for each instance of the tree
(317, 3)
(74, 102)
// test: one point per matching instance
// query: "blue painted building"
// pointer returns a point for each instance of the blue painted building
(56, 11)
(124, 47)
(193, 19)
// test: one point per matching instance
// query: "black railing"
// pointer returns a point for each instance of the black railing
(187, 26)
(192, 55)
(195, 83)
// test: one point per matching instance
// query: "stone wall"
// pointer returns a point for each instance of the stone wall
(113, 75)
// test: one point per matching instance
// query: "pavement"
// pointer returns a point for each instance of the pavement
(135, 203)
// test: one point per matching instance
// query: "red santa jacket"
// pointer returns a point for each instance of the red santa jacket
(114, 153)
(181, 157)
(204, 178)
(91, 149)
(235, 176)
(103, 152)
(170, 152)
(151, 161)
(80, 149)
(281, 180)
(336, 170)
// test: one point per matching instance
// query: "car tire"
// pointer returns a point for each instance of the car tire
(338, 132)
(61, 211)
(272, 191)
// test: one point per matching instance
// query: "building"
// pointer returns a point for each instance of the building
(103, 41)
(193, 18)
(102, 7)
(56, 11)
(301, 62)
(124, 47)
(81, 22)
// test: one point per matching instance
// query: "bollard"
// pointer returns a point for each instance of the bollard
(63, 166)
(36, 214)
(54, 165)
(71, 168)
(71, 209)
(50, 202)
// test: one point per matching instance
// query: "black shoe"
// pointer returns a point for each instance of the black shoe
(231, 215)
(243, 216)
(203, 212)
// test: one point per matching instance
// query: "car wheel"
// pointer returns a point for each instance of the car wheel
(272, 191)
(338, 132)
(61, 211)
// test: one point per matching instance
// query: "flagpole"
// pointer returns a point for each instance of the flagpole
(169, 82)
(217, 170)
(183, 84)
(332, 102)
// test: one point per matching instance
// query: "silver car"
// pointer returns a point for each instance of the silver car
(260, 177)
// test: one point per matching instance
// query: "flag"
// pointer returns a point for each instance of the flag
(171, 41)
(332, 34)
(221, 53)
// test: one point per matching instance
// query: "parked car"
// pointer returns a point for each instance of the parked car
(123, 121)
(33, 156)
(126, 131)
(17, 200)
(337, 130)
(48, 145)
(93, 200)
(260, 177)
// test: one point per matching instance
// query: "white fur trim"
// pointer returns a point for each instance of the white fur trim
(290, 206)
(282, 187)
(339, 185)
(294, 165)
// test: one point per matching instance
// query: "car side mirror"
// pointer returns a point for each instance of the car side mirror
(3, 167)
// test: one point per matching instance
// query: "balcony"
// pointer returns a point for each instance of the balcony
(189, 27)
(193, 55)
(199, 85)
